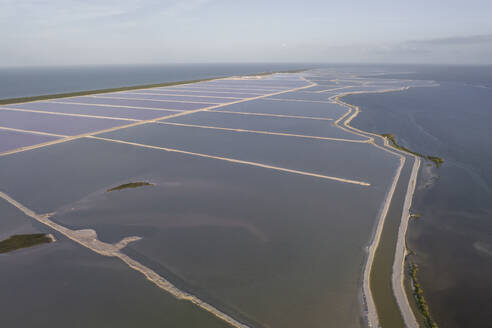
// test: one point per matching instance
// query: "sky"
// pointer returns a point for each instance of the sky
(81, 32)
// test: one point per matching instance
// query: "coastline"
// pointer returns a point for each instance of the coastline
(397, 277)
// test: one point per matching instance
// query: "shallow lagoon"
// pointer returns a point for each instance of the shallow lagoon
(276, 248)
(11, 140)
(57, 124)
(198, 93)
(302, 96)
(202, 88)
(147, 94)
(64, 285)
(301, 126)
(137, 103)
(287, 107)
(357, 161)
(86, 109)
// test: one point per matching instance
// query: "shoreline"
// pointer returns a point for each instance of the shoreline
(397, 277)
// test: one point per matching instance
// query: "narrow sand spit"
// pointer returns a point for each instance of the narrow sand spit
(398, 276)
(400, 252)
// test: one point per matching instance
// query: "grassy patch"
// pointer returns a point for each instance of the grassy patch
(131, 185)
(23, 241)
(437, 160)
(418, 294)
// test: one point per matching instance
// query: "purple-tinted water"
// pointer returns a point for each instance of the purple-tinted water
(136, 103)
(57, 124)
(107, 111)
(10, 140)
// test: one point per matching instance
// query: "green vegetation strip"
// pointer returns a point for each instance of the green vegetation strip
(131, 185)
(437, 160)
(127, 88)
(93, 92)
(418, 294)
(23, 241)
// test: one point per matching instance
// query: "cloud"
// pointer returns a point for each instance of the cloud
(455, 40)
(41, 32)
(473, 49)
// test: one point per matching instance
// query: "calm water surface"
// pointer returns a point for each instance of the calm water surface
(453, 238)
(62, 284)
(278, 249)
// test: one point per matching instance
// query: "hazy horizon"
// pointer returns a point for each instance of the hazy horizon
(66, 33)
(314, 65)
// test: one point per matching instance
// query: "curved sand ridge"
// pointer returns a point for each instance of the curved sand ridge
(88, 239)
(398, 275)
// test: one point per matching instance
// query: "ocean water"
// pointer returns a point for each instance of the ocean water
(452, 240)
(35, 81)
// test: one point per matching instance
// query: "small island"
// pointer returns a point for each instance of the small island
(131, 185)
(16, 242)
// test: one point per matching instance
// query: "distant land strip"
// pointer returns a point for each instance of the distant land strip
(93, 92)
(127, 88)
